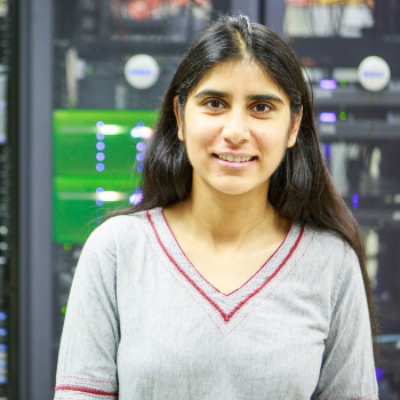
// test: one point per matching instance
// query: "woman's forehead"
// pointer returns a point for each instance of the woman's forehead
(232, 72)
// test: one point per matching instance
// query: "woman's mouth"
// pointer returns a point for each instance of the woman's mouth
(234, 158)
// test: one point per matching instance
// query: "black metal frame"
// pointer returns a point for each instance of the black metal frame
(35, 368)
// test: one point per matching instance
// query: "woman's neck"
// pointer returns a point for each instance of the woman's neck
(231, 219)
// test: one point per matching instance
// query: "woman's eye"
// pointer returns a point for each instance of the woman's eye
(214, 104)
(261, 108)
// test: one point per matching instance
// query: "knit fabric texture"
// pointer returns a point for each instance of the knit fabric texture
(142, 323)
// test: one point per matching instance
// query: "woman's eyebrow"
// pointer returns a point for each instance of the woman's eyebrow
(254, 97)
(266, 97)
(214, 93)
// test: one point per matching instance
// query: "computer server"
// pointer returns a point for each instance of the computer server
(350, 59)
(8, 306)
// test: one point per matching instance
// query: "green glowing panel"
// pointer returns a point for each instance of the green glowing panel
(97, 158)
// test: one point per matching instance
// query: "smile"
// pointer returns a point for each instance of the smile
(231, 158)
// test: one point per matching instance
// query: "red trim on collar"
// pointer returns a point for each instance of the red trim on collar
(205, 279)
(224, 315)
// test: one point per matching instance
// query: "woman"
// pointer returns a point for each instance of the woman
(174, 299)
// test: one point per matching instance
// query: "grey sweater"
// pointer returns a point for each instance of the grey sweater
(143, 324)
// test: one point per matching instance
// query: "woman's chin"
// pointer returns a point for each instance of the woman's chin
(238, 190)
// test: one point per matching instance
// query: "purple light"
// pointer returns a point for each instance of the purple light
(327, 117)
(327, 151)
(99, 202)
(140, 157)
(328, 84)
(100, 146)
(355, 198)
(99, 124)
(137, 197)
(139, 167)
(140, 146)
(100, 167)
(99, 190)
(355, 206)
(380, 374)
(100, 156)
(100, 136)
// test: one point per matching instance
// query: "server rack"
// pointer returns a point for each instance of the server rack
(45, 267)
(360, 131)
(8, 197)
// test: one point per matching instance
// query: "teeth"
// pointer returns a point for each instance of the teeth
(234, 159)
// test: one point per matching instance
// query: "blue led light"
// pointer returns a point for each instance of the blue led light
(99, 202)
(328, 84)
(140, 146)
(327, 117)
(139, 167)
(3, 379)
(100, 124)
(379, 374)
(140, 123)
(140, 157)
(3, 348)
(100, 156)
(100, 146)
(327, 151)
(3, 364)
(137, 197)
(100, 167)
(3, 316)
(3, 332)
(99, 190)
(355, 199)
(100, 136)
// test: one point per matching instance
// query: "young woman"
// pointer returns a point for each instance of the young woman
(241, 274)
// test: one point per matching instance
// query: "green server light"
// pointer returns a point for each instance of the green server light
(98, 158)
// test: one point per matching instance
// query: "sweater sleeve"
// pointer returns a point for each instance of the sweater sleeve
(348, 370)
(87, 366)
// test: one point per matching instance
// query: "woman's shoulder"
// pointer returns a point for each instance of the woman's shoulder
(331, 252)
(123, 219)
(119, 228)
(328, 242)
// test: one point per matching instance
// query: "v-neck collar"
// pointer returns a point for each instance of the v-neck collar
(227, 305)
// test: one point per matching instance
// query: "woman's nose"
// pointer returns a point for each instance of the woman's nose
(236, 130)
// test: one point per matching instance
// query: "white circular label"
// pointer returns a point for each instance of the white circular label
(374, 73)
(141, 71)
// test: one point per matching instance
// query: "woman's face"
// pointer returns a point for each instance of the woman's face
(236, 127)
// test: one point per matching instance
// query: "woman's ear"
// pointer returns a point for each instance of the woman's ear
(294, 129)
(179, 120)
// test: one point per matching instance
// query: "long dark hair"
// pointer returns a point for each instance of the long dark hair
(301, 189)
